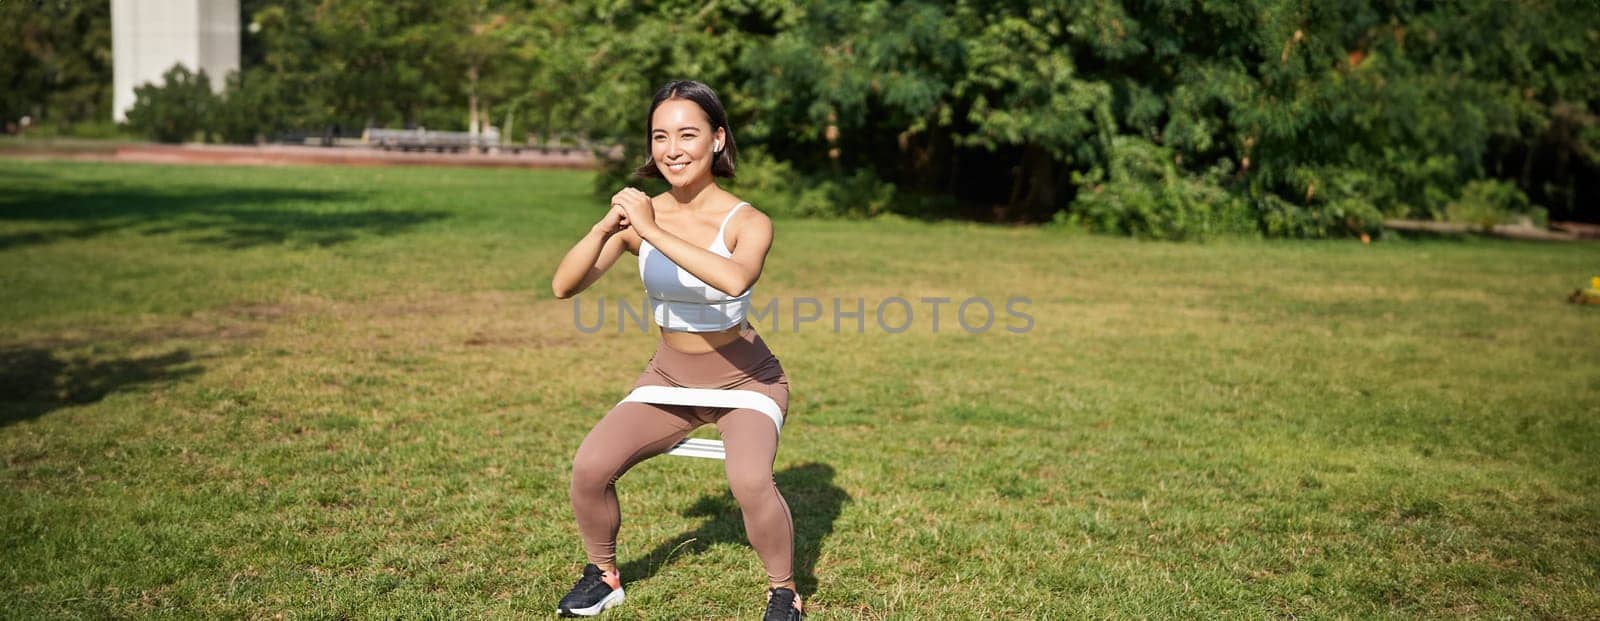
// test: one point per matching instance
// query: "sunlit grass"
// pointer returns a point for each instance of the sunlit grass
(326, 392)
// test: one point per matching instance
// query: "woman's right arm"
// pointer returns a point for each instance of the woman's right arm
(589, 259)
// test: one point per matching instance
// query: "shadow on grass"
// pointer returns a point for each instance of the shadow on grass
(36, 381)
(226, 218)
(814, 503)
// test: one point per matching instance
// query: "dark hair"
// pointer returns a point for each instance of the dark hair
(702, 95)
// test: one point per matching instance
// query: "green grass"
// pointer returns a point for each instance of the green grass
(347, 392)
(53, 142)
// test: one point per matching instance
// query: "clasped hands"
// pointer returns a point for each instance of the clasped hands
(630, 207)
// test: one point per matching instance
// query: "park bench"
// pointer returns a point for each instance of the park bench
(421, 139)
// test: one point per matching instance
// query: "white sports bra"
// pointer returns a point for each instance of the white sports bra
(680, 301)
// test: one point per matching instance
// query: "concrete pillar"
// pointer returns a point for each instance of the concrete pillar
(148, 37)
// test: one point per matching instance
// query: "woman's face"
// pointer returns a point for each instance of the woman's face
(681, 141)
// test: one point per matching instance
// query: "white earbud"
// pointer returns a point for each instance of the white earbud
(717, 147)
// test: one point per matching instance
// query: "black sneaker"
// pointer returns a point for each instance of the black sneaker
(782, 605)
(595, 591)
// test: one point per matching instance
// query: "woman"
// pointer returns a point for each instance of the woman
(700, 250)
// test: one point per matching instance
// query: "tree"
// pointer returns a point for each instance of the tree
(55, 61)
(1168, 118)
(178, 109)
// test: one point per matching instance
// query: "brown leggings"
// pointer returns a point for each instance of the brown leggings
(632, 432)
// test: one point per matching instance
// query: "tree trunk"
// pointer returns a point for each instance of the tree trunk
(472, 102)
(485, 121)
(505, 126)
(1033, 189)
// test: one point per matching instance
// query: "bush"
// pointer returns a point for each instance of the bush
(774, 187)
(247, 111)
(1488, 202)
(175, 111)
(767, 183)
(1148, 196)
(1326, 201)
(774, 184)
(860, 195)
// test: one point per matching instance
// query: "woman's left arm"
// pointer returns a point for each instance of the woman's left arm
(732, 275)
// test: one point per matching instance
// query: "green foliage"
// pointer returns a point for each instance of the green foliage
(55, 61)
(1025, 93)
(363, 62)
(1331, 201)
(250, 107)
(778, 188)
(1488, 202)
(177, 110)
(768, 183)
(184, 107)
(857, 195)
(1327, 117)
(1147, 195)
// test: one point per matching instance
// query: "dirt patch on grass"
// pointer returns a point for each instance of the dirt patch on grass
(480, 319)
(449, 320)
(1325, 293)
(185, 330)
(261, 312)
(231, 323)
(482, 339)
(199, 331)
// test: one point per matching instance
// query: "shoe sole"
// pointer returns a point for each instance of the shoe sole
(611, 599)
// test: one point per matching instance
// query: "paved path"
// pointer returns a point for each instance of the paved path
(273, 155)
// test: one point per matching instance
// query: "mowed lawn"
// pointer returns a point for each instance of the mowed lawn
(321, 392)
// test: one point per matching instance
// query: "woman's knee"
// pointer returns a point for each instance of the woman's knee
(591, 472)
(750, 484)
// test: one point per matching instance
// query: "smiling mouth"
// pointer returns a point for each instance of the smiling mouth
(677, 167)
